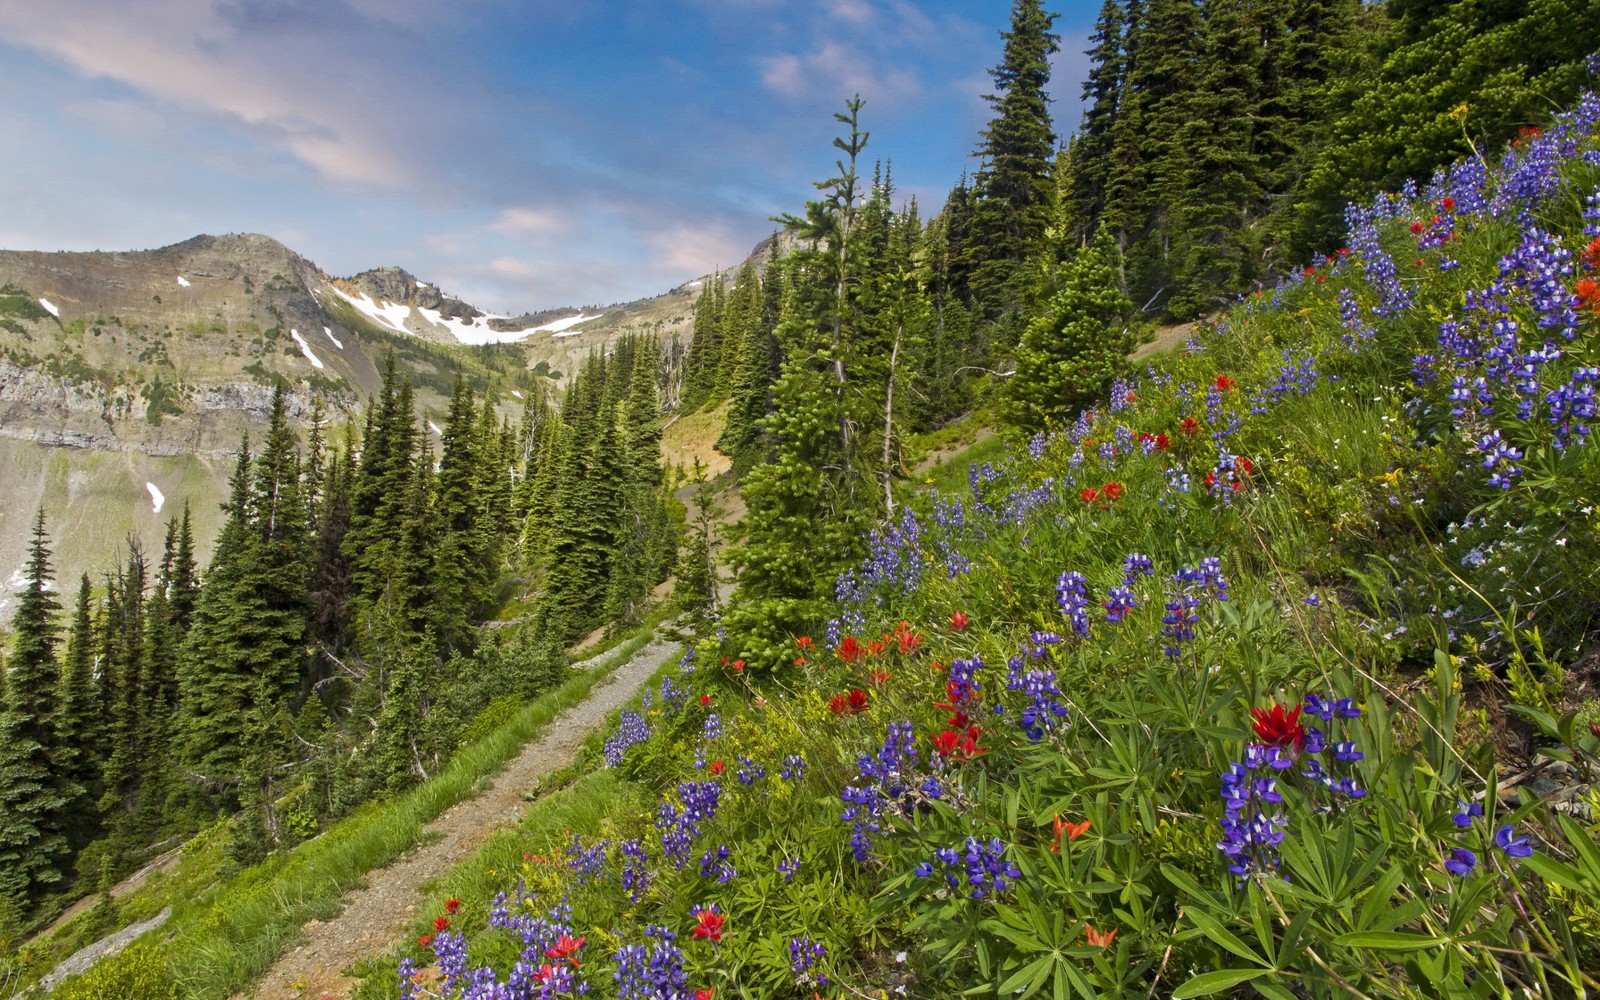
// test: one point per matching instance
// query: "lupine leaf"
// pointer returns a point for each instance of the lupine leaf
(1208, 983)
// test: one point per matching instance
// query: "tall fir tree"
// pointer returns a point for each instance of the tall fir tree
(1016, 196)
(79, 725)
(36, 793)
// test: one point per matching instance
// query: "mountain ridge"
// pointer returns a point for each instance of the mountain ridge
(127, 375)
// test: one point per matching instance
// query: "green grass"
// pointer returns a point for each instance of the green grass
(221, 940)
(950, 475)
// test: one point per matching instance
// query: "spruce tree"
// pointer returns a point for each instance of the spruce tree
(125, 661)
(251, 618)
(1071, 352)
(36, 792)
(1091, 146)
(1016, 196)
(78, 723)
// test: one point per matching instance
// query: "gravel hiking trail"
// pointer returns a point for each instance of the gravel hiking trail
(377, 917)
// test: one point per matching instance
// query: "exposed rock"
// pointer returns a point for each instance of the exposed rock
(82, 959)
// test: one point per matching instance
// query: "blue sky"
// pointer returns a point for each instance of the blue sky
(523, 154)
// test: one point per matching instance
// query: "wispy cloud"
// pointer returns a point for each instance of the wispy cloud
(533, 152)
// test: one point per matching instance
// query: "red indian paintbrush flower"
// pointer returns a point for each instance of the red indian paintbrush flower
(452, 905)
(1591, 254)
(440, 923)
(853, 703)
(710, 926)
(1189, 426)
(1112, 492)
(850, 649)
(1224, 383)
(1089, 494)
(1588, 292)
(1072, 830)
(906, 638)
(565, 947)
(1275, 727)
(717, 767)
(959, 621)
(958, 744)
(1099, 939)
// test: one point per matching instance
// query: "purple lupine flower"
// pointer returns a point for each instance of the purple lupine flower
(1073, 598)
(653, 973)
(788, 868)
(750, 771)
(588, 863)
(681, 827)
(631, 731)
(978, 869)
(793, 769)
(635, 869)
(1460, 862)
(1250, 834)
(887, 785)
(1134, 566)
(1514, 846)
(1466, 813)
(804, 953)
(1119, 603)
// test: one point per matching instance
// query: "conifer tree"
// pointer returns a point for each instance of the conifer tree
(1072, 351)
(78, 723)
(462, 563)
(250, 625)
(183, 588)
(808, 508)
(750, 387)
(1091, 146)
(1016, 196)
(125, 660)
(35, 791)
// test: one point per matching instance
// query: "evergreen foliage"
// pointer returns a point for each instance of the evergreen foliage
(1080, 342)
(36, 790)
(1015, 194)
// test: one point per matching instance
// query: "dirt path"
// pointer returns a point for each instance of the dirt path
(376, 917)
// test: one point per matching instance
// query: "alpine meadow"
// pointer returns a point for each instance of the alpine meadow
(1168, 566)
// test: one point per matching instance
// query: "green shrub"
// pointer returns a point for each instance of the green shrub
(140, 973)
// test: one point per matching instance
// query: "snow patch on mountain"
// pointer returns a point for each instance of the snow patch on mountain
(435, 428)
(305, 349)
(183, 282)
(388, 314)
(50, 307)
(475, 331)
(331, 337)
(560, 327)
(157, 498)
(516, 393)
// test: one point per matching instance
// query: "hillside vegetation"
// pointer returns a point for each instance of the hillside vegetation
(1266, 669)
(1334, 560)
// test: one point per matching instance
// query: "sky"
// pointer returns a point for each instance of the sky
(520, 154)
